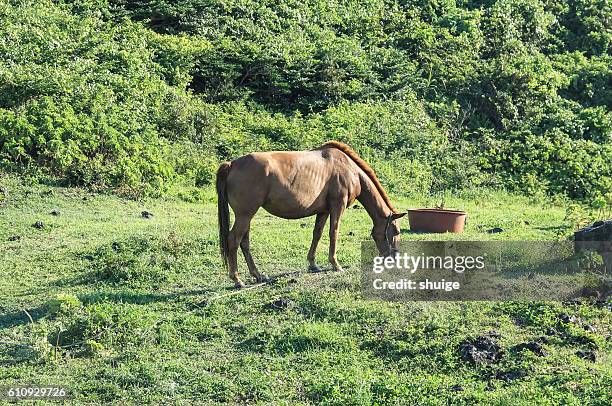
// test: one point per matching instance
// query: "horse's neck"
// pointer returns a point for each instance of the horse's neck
(372, 201)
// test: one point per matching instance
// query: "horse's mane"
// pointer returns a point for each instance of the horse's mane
(361, 164)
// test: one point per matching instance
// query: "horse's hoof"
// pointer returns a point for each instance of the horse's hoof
(239, 285)
(314, 268)
(338, 269)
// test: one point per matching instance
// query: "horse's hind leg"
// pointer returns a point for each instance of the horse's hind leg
(246, 250)
(239, 229)
(316, 236)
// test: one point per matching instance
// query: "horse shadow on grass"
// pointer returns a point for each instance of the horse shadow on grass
(19, 317)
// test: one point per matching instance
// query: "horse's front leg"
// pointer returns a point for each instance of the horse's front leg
(334, 225)
(316, 236)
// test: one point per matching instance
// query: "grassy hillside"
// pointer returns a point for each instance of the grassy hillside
(139, 308)
(139, 96)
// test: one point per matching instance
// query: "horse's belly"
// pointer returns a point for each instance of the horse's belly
(300, 194)
(292, 206)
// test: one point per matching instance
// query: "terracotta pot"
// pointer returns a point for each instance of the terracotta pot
(437, 220)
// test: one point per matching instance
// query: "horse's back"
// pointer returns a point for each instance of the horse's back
(290, 184)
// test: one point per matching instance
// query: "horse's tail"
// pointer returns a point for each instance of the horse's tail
(223, 209)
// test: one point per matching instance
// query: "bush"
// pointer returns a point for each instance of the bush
(96, 327)
(139, 260)
(64, 304)
(132, 261)
(556, 162)
(93, 109)
(137, 96)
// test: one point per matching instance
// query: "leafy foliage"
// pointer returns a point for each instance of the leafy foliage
(111, 93)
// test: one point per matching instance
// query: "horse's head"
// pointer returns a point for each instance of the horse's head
(386, 234)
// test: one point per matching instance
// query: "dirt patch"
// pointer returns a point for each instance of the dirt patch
(279, 304)
(566, 318)
(508, 376)
(533, 346)
(589, 355)
(481, 350)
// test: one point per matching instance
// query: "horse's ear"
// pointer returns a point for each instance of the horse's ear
(396, 216)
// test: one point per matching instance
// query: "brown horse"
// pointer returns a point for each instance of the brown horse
(298, 184)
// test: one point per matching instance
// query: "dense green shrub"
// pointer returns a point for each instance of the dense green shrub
(140, 259)
(90, 329)
(94, 107)
(136, 95)
(131, 261)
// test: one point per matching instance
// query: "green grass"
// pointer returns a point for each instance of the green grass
(131, 299)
